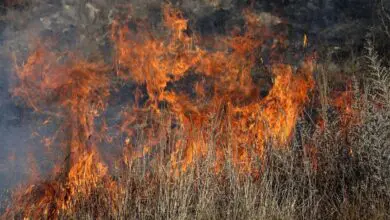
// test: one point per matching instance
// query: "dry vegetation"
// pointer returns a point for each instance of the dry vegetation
(327, 172)
(336, 164)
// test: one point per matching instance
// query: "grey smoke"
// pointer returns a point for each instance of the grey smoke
(84, 25)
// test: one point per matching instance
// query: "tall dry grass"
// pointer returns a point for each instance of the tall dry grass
(335, 171)
(338, 171)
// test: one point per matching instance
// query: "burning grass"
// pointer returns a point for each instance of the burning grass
(214, 149)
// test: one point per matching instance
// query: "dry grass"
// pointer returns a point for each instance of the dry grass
(338, 171)
(344, 175)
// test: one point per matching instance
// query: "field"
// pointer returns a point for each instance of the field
(145, 111)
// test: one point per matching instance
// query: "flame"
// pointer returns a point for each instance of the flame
(344, 102)
(157, 62)
(305, 41)
(73, 91)
(223, 104)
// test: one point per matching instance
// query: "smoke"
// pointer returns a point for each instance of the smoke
(83, 27)
(71, 26)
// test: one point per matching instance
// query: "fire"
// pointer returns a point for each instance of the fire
(157, 62)
(74, 92)
(224, 103)
(344, 102)
(305, 41)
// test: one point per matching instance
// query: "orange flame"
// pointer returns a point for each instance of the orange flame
(74, 91)
(224, 105)
(157, 62)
